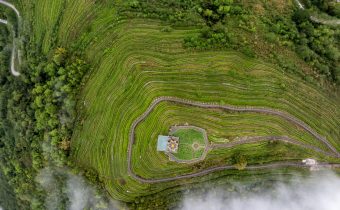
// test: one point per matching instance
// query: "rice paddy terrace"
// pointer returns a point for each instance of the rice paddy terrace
(145, 63)
(135, 63)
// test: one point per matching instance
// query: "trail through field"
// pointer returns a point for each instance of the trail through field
(319, 20)
(13, 54)
(333, 151)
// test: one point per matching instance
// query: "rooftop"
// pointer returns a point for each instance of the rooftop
(162, 143)
(167, 143)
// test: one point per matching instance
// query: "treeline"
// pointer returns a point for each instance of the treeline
(180, 13)
(214, 34)
(316, 44)
(7, 196)
(226, 24)
(37, 112)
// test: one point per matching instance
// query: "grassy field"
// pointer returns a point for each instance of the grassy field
(143, 63)
(188, 138)
(134, 61)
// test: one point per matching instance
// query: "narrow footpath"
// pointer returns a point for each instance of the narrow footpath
(332, 150)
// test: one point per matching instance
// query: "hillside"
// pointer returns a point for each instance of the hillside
(100, 80)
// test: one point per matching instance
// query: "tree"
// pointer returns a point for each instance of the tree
(59, 56)
(300, 16)
(239, 161)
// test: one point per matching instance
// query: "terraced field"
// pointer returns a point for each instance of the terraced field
(232, 127)
(48, 17)
(142, 63)
(134, 63)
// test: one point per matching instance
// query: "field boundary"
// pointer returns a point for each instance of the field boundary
(268, 111)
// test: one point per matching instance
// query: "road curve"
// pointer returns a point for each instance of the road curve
(286, 116)
(3, 21)
(13, 54)
(319, 20)
(12, 7)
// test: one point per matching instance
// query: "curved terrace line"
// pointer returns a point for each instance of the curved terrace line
(249, 140)
(284, 115)
(286, 139)
(13, 70)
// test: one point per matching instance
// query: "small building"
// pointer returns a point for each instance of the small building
(162, 143)
(309, 162)
(167, 144)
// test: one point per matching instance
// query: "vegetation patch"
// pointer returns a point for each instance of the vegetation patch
(138, 50)
(191, 143)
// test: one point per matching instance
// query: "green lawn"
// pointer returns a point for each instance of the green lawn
(188, 137)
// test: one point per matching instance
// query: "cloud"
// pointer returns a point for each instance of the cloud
(79, 193)
(63, 187)
(81, 196)
(47, 179)
(321, 192)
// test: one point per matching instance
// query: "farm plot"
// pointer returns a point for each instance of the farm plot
(147, 162)
(136, 62)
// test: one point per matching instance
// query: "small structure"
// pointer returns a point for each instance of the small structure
(313, 164)
(162, 143)
(167, 144)
(173, 144)
(309, 162)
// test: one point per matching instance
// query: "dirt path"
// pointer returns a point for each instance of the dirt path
(333, 152)
(13, 54)
(286, 139)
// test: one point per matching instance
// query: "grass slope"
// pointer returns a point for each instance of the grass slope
(134, 62)
(141, 63)
(189, 137)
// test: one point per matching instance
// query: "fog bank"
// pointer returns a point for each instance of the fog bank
(319, 192)
(66, 189)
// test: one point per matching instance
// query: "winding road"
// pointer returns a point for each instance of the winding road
(13, 54)
(3, 21)
(285, 139)
(333, 152)
(319, 20)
